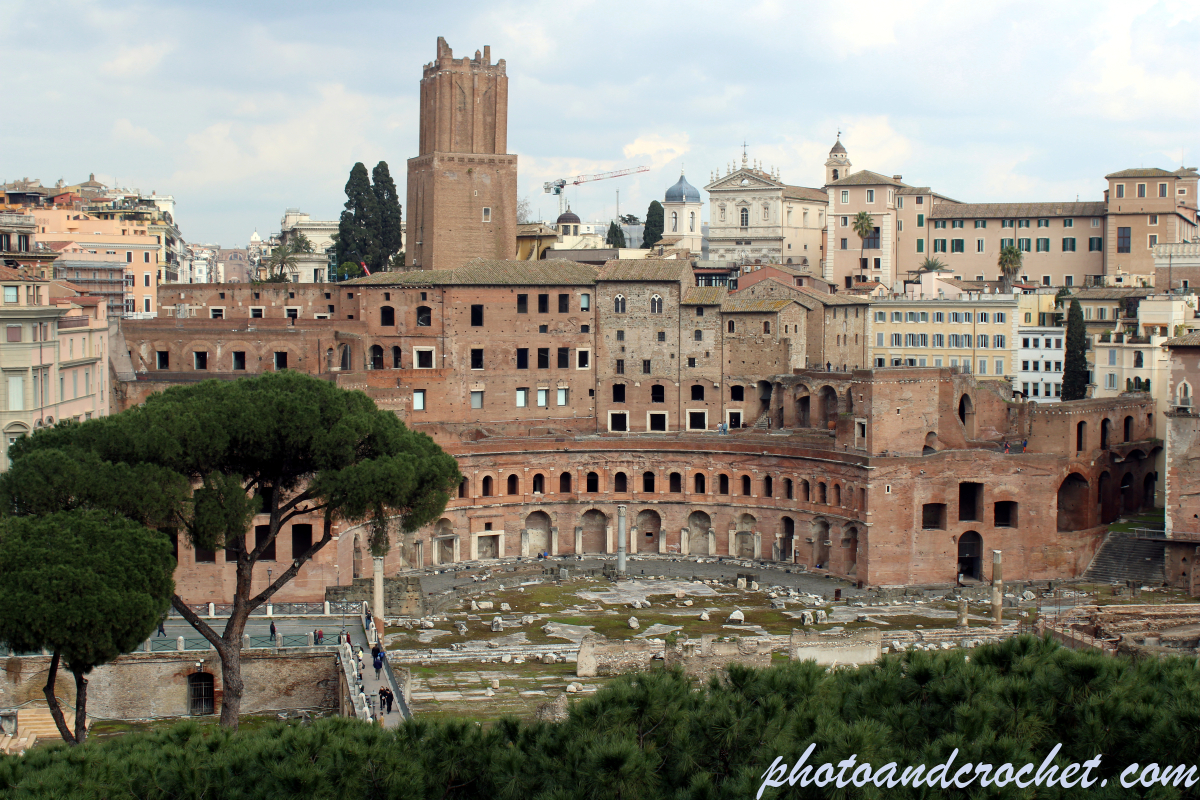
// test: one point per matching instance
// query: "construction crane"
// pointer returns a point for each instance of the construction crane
(556, 187)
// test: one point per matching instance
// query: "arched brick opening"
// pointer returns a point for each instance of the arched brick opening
(970, 555)
(698, 524)
(537, 526)
(514, 484)
(820, 543)
(829, 407)
(744, 538)
(1073, 503)
(443, 534)
(966, 415)
(699, 483)
(787, 539)
(850, 550)
(595, 531)
(649, 525)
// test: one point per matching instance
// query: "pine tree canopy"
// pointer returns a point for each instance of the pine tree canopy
(653, 231)
(1075, 368)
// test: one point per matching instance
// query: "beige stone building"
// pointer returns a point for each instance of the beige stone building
(1146, 207)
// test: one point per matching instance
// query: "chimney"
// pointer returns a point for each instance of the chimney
(897, 177)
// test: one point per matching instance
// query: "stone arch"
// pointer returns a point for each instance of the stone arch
(768, 486)
(829, 407)
(722, 484)
(837, 494)
(443, 535)
(970, 555)
(648, 482)
(805, 491)
(819, 530)
(396, 357)
(1148, 484)
(1081, 437)
(564, 483)
(699, 524)
(620, 483)
(592, 483)
(931, 444)
(803, 407)
(822, 494)
(789, 490)
(539, 483)
(747, 486)
(1128, 429)
(850, 400)
(594, 538)
(966, 415)
(1073, 503)
(345, 364)
(764, 398)
(649, 525)
(675, 483)
(699, 483)
(537, 528)
(486, 486)
(1105, 433)
(1129, 494)
(514, 484)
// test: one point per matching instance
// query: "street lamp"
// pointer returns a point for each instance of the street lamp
(342, 602)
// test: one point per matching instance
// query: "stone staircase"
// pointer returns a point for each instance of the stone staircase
(35, 723)
(1123, 557)
(763, 422)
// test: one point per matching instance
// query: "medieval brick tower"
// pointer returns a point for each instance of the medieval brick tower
(462, 188)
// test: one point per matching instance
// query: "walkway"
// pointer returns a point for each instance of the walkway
(358, 639)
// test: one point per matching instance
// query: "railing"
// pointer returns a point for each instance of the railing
(284, 609)
(197, 644)
(162, 644)
(262, 641)
(345, 607)
(293, 640)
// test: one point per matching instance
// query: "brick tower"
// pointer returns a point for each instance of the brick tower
(462, 188)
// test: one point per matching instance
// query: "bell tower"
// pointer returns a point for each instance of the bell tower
(838, 164)
(462, 187)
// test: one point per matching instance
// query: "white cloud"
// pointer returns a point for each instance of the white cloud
(131, 62)
(125, 132)
(659, 149)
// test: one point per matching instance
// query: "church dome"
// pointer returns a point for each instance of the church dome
(254, 237)
(567, 216)
(682, 192)
(838, 150)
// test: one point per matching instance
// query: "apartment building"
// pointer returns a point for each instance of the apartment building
(1146, 207)
(1040, 356)
(977, 333)
(53, 358)
(1061, 244)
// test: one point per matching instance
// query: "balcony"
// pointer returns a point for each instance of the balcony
(73, 322)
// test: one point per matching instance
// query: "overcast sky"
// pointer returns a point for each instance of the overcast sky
(242, 109)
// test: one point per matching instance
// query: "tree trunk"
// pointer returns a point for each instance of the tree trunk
(52, 702)
(80, 706)
(232, 686)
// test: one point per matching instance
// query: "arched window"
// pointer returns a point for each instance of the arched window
(675, 483)
(564, 483)
(837, 495)
(658, 394)
(697, 392)
(768, 486)
(766, 211)
(699, 483)
(766, 326)
(722, 484)
(805, 491)
(821, 497)
(746, 485)
(619, 304)
(387, 316)
(647, 481)
(539, 484)
(396, 351)
(691, 222)
(655, 304)
(835, 174)
(787, 488)
(593, 482)
(731, 326)
(674, 222)
(513, 485)
(620, 483)
(745, 213)
(1138, 360)
(424, 316)
(376, 357)
(462, 488)
(487, 486)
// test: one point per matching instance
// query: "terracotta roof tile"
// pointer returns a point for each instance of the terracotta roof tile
(991, 210)
(738, 305)
(1149, 172)
(1188, 340)
(704, 296)
(490, 272)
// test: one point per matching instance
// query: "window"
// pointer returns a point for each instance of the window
(620, 368)
(958, 245)
(920, 245)
(870, 195)
(200, 359)
(1024, 244)
(12, 294)
(1141, 190)
(845, 243)
(163, 359)
(661, 336)
(939, 245)
(958, 223)
(424, 357)
(487, 214)
(1043, 223)
(1043, 246)
(543, 355)
(656, 304)
(1022, 223)
(1123, 240)
(1162, 190)
(658, 422)
(564, 304)
(619, 304)
(939, 340)
(698, 336)
(646, 367)
(998, 317)
(737, 394)
(998, 342)
(564, 358)
(476, 316)
(476, 399)
(618, 392)
(1152, 240)
(476, 359)
(1095, 244)
(543, 304)
(280, 360)
(522, 358)
(845, 196)
(582, 359)
(1153, 220)
(424, 316)
(939, 316)
(563, 395)
(897, 340)
(939, 223)
(522, 304)
(522, 398)
(620, 336)
(658, 394)
(239, 360)
(543, 398)
(981, 223)
(1068, 245)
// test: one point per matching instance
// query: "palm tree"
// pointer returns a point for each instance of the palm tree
(864, 226)
(931, 264)
(282, 263)
(1010, 265)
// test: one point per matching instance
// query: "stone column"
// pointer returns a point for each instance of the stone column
(621, 540)
(578, 539)
(757, 546)
(712, 542)
(609, 543)
(997, 590)
(962, 613)
(377, 597)
(553, 540)
(525, 543)
(631, 539)
(684, 544)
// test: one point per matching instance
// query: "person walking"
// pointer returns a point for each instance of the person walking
(377, 662)
(320, 636)
(272, 629)
(385, 699)
(162, 629)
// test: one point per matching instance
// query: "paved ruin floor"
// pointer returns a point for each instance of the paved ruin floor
(461, 690)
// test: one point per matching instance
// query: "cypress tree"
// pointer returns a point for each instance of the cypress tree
(1075, 370)
(390, 227)
(654, 225)
(359, 225)
(616, 236)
